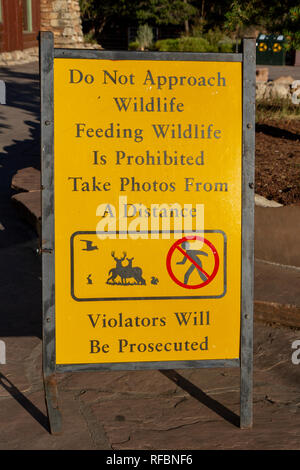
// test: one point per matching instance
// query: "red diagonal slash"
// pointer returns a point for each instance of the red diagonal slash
(177, 246)
(192, 261)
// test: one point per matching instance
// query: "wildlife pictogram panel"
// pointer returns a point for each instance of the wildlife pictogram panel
(193, 266)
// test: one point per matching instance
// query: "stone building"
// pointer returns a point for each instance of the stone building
(62, 17)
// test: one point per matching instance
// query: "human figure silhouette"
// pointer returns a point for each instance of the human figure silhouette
(193, 254)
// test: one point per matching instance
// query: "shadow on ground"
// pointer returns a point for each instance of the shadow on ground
(20, 271)
(202, 397)
(277, 132)
(15, 393)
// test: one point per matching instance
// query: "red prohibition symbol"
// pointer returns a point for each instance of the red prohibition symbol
(209, 277)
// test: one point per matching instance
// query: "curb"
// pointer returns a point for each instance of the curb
(273, 312)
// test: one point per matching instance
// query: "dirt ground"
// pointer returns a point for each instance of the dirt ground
(277, 166)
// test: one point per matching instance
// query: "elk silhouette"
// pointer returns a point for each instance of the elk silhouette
(125, 272)
(134, 271)
(115, 272)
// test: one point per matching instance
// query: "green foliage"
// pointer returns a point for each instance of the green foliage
(90, 38)
(292, 28)
(95, 14)
(293, 39)
(218, 41)
(163, 12)
(212, 41)
(276, 108)
(226, 47)
(239, 16)
(144, 37)
(203, 18)
(167, 45)
(278, 16)
(214, 36)
(194, 45)
(133, 46)
(184, 44)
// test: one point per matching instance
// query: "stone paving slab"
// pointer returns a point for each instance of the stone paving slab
(202, 412)
(27, 179)
(155, 410)
(277, 234)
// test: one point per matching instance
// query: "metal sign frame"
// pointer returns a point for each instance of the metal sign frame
(247, 58)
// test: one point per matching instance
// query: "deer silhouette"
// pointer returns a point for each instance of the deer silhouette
(115, 272)
(125, 272)
(133, 271)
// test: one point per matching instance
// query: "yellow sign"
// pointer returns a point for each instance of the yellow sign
(147, 210)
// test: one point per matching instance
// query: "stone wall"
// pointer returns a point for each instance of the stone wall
(282, 88)
(62, 17)
(19, 57)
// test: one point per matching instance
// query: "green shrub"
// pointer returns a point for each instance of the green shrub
(226, 47)
(194, 45)
(184, 44)
(133, 46)
(212, 41)
(89, 38)
(167, 45)
(214, 37)
(144, 37)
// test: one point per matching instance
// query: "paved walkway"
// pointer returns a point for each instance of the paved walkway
(147, 410)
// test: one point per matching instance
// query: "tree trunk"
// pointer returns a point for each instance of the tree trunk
(186, 24)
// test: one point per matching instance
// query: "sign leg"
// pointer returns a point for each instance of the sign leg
(47, 239)
(249, 55)
(246, 392)
(51, 397)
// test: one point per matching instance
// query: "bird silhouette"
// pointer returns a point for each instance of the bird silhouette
(89, 245)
